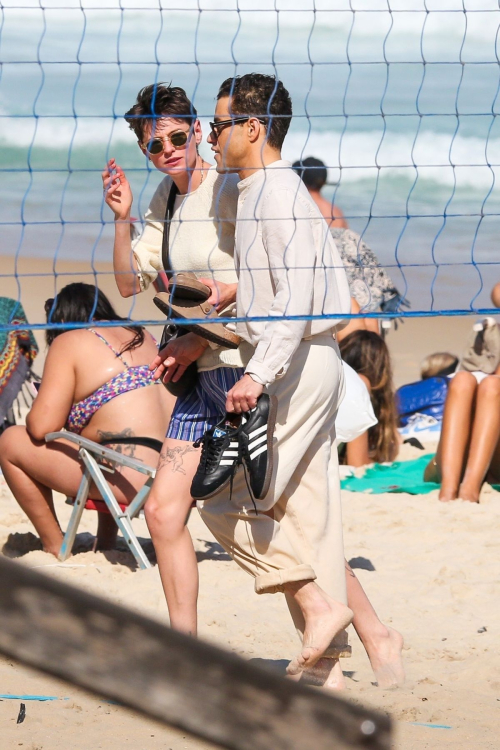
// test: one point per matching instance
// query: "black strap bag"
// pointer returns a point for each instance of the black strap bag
(188, 380)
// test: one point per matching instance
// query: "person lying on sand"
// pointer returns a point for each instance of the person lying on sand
(96, 383)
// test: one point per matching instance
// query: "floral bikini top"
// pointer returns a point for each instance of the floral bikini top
(127, 380)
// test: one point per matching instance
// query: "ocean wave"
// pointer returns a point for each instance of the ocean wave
(353, 156)
(358, 156)
(446, 19)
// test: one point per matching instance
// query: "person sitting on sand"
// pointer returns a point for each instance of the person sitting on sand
(468, 452)
(368, 355)
(96, 383)
(469, 447)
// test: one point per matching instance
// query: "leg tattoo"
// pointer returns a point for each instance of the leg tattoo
(174, 458)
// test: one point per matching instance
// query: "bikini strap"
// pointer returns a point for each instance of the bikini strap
(117, 354)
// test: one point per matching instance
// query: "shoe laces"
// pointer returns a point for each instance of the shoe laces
(211, 448)
(239, 462)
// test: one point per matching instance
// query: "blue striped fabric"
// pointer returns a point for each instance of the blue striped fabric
(201, 409)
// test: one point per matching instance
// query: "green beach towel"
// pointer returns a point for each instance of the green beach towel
(400, 476)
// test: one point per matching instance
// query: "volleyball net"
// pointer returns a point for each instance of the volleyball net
(398, 98)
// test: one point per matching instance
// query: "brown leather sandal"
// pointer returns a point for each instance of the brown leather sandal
(185, 285)
(186, 309)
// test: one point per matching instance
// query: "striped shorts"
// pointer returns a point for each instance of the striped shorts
(201, 409)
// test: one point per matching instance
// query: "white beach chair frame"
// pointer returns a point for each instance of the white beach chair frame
(90, 454)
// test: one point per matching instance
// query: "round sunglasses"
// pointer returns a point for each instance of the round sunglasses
(178, 139)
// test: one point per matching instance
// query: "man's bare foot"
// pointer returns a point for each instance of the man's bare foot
(470, 495)
(326, 673)
(324, 619)
(384, 652)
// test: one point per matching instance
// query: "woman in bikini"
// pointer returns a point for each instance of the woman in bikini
(96, 383)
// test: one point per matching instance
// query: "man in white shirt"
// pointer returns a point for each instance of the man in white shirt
(292, 292)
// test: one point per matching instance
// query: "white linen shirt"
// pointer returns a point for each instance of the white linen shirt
(288, 264)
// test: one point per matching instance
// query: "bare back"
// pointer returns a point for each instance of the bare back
(79, 363)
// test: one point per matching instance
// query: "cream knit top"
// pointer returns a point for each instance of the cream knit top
(201, 240)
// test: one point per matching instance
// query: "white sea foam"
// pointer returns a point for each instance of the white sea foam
(434, 154)
(357, 154)
(367, 18)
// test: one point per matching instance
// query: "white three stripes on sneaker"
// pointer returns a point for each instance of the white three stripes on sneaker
(228, 452)
(257, 441)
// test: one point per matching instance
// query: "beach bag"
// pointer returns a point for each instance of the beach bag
(482, 351)
(423, 397)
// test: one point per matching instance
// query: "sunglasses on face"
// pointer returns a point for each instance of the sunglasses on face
(216, 127)
(178, 139)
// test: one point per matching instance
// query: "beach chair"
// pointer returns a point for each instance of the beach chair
(93, 455)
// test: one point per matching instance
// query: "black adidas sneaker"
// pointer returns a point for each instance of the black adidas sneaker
(220, 457)
(256, 442)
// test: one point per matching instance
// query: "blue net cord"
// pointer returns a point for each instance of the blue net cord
(336, 113)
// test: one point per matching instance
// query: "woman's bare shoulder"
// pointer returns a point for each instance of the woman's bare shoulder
(70, 341)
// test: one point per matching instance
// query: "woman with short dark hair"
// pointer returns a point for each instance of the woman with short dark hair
(201, 241)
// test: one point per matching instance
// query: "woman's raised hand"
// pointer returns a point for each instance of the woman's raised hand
(117, 191)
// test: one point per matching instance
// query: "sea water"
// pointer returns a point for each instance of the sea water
(398, 97)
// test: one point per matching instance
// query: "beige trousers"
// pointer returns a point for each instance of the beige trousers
(297, 533)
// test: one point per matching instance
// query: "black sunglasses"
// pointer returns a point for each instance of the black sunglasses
(177, 139)
(216, 127)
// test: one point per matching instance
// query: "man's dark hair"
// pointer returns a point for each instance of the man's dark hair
(83, 303)
(312, 171)
(261, 96)
(156, 101)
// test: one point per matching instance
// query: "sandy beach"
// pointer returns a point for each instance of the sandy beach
(432, 570)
